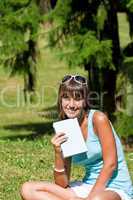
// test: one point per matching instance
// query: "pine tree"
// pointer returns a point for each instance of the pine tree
(88, 33)
(19, 23)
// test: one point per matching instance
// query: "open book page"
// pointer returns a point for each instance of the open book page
(75, 143)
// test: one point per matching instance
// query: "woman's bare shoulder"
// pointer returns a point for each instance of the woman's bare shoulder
(100, 117)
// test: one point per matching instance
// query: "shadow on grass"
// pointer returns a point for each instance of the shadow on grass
(49, 113)
(38, 130)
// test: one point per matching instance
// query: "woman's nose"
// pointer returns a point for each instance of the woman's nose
(72, 103)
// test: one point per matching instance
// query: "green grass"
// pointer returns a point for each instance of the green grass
(26, 130)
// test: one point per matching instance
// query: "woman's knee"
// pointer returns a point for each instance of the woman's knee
(96, 197)
(106, 195)
(27, 190)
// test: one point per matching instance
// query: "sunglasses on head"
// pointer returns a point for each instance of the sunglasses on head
(77, 78)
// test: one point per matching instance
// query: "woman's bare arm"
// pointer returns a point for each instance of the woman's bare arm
(62, 178)
(61, 166)
(103, 130)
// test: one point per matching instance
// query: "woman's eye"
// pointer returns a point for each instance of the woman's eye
(65, 96)
(78, 98)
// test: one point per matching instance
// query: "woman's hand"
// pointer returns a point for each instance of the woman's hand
(57, 140)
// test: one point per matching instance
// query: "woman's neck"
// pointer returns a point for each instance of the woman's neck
(82, 117)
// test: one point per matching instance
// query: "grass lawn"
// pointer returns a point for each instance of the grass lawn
(25, 130)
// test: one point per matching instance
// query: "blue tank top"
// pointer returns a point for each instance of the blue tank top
(93, 162)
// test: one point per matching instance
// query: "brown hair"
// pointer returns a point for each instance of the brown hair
(76, 91)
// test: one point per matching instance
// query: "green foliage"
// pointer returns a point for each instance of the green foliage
(124, 125)
(85, 48)
(125, 76)
(19, 21)
(128, 68)
(129, 5)
(62, 12)
(76, 33)
(126, 4)
(101, 17)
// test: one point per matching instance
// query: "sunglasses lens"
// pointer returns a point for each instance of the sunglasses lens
(66, 78)
(80, 79)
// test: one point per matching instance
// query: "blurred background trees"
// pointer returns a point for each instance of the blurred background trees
(85, 33)
(19, 25)
(88, 33)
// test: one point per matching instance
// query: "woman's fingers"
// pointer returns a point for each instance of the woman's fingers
(58, 139)
(58, 135)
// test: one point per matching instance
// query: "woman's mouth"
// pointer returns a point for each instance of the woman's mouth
(71, 111)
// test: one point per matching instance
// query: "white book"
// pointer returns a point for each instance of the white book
(75, 143)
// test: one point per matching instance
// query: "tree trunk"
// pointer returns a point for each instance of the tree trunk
(30, 75)
(109, 76)
(104, 81)
(94, 86)
(108, 91)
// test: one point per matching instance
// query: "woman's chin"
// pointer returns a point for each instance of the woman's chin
(71, 115)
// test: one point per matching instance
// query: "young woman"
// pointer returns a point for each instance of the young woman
(107, 176)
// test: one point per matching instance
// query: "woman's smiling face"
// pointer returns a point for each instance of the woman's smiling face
(71, 106)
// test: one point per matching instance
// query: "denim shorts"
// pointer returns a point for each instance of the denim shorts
(82, 190)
